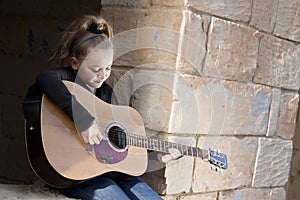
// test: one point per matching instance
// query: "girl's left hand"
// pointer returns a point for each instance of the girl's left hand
(173, 154)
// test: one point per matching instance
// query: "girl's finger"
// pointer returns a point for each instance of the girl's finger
(96, 140)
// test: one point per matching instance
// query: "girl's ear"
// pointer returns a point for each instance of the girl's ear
(74, 63)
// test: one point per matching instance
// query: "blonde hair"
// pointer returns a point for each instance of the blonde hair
(75, 33)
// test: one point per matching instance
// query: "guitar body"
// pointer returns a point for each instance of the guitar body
(60, 158)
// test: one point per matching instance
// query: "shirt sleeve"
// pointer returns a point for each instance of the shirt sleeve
(50, 83)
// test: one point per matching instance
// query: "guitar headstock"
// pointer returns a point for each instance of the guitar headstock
(218, 160)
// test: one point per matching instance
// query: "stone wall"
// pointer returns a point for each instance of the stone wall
(221, 74)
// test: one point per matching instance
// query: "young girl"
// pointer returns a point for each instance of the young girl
(85, 56)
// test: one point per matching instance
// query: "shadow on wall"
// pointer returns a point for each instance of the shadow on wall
(293, 192)
(31, 32)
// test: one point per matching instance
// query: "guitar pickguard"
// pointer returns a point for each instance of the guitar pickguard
(107, 155)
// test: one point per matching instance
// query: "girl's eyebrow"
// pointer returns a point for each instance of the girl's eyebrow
(101, 66)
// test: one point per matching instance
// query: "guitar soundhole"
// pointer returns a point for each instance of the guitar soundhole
(117, 137)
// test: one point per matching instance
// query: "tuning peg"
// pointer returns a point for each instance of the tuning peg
(217, 169)
(220, 170)
(213, 168)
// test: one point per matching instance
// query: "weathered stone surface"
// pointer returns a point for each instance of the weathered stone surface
(142, 3)
(278, 63)
(272, 164)
(148, 91)
(274, 111)
(142, 37)
(180, 171)
(168, 2)
(156, 179)
(283, 114)
(287, 115)
(293, 191)
(212, 106)
(251, 193)
(237, 10)
(243, 194)
(36, 191)
(288, 20)
(241, 154)
(278, 194)
(192, 42)
(232, 51)
(264, 14)
(205, 196)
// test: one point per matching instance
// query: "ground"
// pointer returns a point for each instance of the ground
(36, 191)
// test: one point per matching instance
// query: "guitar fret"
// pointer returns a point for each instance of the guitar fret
(161, 145)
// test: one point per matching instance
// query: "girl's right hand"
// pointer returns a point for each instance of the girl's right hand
(92, 135)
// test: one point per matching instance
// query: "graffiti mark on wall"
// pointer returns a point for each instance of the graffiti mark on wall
(30, 39)
(37, 43)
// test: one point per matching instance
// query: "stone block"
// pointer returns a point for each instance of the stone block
(272, 164)
(231, 51)
(232, 9)
(274, 111)
(278, 194)
(36, 191)
(142, 39)
(204, 105)
(192, 42)
(252, 193)
(204, 196)
(150, 92)
(287, 115)
(168, 3)
(263, 15)
(288, 20)
(180, 171)
(283, 114)
(241, 154)
(114, 2)
(278, 63)
(156, 182)
(128, 3)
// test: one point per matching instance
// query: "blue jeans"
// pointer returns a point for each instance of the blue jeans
(112, 188)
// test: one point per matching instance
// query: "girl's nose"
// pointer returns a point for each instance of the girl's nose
(100, 74)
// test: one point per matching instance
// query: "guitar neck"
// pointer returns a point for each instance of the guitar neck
(164, 146)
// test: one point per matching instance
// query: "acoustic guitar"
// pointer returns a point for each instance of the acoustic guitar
(60, 158)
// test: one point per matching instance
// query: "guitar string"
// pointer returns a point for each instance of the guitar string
(147, 140)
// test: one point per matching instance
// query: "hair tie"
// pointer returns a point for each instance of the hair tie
(96, 28)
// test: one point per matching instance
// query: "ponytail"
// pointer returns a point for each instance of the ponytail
(73, 40)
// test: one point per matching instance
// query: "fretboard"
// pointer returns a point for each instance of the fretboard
(163, 146)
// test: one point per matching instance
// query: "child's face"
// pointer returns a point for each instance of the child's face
(96, 67)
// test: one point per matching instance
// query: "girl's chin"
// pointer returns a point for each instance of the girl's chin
(97, 85)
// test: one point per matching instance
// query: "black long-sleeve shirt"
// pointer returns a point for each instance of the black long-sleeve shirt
(49, 82)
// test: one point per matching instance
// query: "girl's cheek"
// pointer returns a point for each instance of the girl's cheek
(107, 74)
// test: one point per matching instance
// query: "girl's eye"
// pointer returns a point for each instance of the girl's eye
(97, 69)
